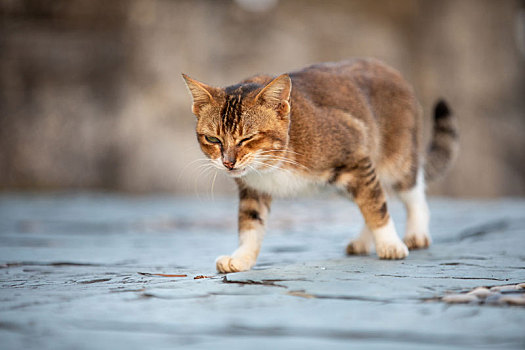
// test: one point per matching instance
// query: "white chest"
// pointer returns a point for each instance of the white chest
(280, 183)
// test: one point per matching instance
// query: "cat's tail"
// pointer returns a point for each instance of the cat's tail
(444, 147)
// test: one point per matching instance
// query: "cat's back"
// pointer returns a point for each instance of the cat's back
(338, 80)
(337, 103)
(350, 66)
(354, 69)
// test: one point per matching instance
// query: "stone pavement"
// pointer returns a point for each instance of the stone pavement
(99, 271)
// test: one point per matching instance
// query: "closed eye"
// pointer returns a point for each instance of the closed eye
(244, 140)
(212, 139)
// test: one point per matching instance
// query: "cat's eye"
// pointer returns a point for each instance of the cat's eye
(244, 140)
(212, 139)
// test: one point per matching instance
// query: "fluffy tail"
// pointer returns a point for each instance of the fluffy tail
(444, 146)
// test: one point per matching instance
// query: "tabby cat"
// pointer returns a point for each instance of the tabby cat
(355, 125)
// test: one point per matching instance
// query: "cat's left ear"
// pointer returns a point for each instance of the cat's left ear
(277, 94)
(202, 94)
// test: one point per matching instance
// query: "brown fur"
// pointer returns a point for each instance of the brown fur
(355, 125)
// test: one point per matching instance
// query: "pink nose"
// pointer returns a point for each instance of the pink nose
(228, 164)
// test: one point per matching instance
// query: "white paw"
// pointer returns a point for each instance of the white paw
(417, 241)
(226, 264)
(392, 250)
(358, 247)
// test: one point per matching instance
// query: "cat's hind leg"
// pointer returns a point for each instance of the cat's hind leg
(418, 216)
(362, 183)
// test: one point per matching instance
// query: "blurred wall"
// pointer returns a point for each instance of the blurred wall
(91, 94)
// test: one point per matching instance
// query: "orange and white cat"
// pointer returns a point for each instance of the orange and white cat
(355, 125)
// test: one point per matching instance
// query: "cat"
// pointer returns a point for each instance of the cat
(354, 125)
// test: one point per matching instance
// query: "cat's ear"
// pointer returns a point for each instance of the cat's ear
(277, 94)
(202, 94)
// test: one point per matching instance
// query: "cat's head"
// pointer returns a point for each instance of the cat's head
(243, 128)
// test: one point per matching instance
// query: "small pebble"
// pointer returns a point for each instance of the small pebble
(505, 288)
(201, 277)
(459, 298)
(480, 292)
(513, 299)
(301, 294)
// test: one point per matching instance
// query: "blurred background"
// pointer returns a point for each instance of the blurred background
(91, 95)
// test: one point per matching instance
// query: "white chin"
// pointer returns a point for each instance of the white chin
(237, 172)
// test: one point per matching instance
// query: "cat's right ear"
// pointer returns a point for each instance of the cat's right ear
(202, 94)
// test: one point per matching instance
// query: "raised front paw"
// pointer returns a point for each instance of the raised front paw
(392, 250)
(226, 264)
(417, 241)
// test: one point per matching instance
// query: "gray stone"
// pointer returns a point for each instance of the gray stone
(460, 298)
(493, 299)
(506, 288)
(71, 276)
(514, 299)
(480, 292)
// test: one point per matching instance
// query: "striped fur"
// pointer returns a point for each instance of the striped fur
(353, 125)
(444, 147)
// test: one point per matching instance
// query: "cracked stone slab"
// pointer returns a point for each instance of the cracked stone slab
(90, 271)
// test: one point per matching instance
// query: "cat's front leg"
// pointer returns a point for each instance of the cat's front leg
(368, 194)
(253, 213)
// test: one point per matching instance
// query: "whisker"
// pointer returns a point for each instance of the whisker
(271, 153)
(254, 169)
(204, 166)
(213, 165)
(285, 160)
(272, 166)
(279, 158)
(190, 163)
(202, 172)
(280, 150)
(213, 185)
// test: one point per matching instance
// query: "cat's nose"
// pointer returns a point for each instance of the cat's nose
(229, 164)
